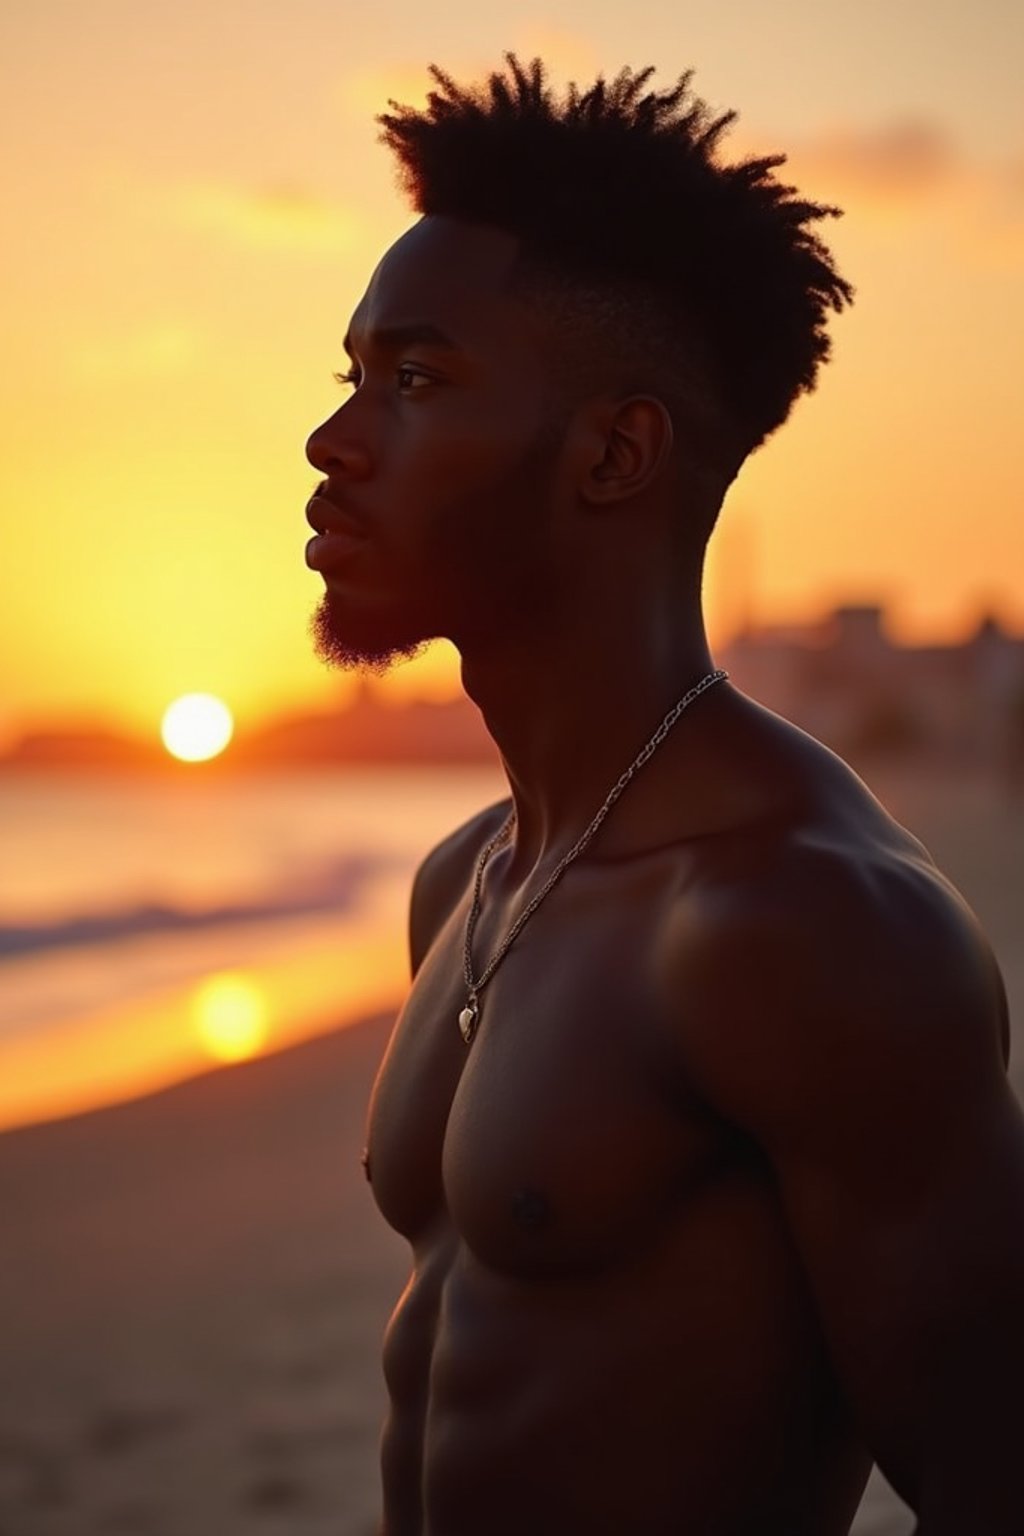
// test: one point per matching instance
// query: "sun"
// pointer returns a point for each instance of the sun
(196, 726)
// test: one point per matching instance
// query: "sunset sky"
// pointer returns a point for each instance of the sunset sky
(194, 201)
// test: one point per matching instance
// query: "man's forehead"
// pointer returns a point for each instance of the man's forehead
(443, 275)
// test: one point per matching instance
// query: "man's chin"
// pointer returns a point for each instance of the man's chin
(338, 642)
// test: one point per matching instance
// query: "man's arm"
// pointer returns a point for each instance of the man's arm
(850, 1018)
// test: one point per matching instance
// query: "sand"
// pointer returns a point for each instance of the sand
(192, 1292)
(193, 1286)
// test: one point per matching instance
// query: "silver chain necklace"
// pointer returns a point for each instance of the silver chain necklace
(470, 1015)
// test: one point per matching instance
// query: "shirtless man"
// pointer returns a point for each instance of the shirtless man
(722, 1197)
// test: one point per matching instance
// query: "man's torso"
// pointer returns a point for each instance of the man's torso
(607, 1329)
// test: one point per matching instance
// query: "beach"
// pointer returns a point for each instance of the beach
(194, 1284)
(193, 1290)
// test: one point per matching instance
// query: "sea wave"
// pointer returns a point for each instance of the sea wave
(332, 887)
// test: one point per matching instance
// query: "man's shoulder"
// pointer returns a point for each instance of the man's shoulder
(820, 871)
(818, 893)
(824, 941)
(443, 875)
(459, 849)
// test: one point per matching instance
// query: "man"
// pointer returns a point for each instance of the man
(696, 1117)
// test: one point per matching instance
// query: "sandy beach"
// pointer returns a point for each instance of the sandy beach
(193, 1289)
(194, 1284)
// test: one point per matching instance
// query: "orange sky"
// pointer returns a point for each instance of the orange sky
(198, 199)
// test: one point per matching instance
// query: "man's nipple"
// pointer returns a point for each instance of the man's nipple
(530, 1209)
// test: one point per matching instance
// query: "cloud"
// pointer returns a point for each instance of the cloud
(904, 173)
(278, 217)
(899, 165)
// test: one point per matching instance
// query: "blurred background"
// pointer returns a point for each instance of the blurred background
(206, 839)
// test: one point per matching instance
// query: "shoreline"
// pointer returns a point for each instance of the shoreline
(295, 991)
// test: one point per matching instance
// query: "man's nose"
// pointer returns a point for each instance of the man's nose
(318, 447)
(327, 449)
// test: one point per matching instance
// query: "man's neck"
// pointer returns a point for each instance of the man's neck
(570, 712)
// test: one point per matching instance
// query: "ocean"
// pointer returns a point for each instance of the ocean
(151, 928)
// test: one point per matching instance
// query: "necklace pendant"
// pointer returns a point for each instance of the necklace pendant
(467, 1021)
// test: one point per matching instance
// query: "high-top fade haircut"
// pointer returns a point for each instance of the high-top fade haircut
(656, 268)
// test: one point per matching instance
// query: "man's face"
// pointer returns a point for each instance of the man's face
(440, 462)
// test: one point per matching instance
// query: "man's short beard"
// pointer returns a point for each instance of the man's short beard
(350, 655)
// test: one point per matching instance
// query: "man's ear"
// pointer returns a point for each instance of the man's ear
(628, 443)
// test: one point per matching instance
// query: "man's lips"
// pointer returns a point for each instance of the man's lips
(338, 535)
(324, 515)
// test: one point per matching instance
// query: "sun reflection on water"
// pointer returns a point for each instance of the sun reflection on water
(230, 1014)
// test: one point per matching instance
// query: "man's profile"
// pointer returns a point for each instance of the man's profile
(700, 1132)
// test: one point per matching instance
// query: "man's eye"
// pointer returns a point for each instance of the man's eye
(352, 377)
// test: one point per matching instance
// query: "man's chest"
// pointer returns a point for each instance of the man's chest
(565, 1127)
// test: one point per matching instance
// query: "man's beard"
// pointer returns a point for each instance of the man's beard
(489, 566)
(335, 644)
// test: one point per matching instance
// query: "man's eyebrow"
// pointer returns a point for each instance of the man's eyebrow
(407, 335)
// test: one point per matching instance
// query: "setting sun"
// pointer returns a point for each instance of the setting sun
(196, 727)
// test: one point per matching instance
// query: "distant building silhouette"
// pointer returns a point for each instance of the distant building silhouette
(846, 682)
(371, 731)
